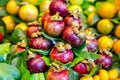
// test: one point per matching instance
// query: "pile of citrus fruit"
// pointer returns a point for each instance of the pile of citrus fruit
(59, 39)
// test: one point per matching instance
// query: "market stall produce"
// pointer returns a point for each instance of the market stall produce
(59, 40)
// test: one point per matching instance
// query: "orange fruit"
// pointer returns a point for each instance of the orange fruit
(116, 47)
(28, 12)
(113, 74)
(21, 25)
(103, 74)
(107, 10)
(96, 77)
(30, 1)
(10, 24)
(105, 26)
(92, 18)
(119, 14)
(91, 8)
(117, 31)
(105, 42)
(86, 78)
(117, 2)
(12, 7)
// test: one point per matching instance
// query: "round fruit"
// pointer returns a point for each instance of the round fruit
(113, 74)
(105, 42)
(12, 7)
(117, 2)
(86, 78)
(44, 5)
(103, 74)
(96, 77)
(107, 10)
(28, 12)
(119, 13)
(1, 37)
(117, 31)
(30, 1)
(116, 47)
(76, 2)
(92, 18)
(105, 26)
(91, 8)
(10, 24)
(21, 25)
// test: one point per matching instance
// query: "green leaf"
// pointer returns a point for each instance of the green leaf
(4, 48)
(3, 2)
(38, 76)
(1, 58)
(3, 11)
(115, 20)
(93, 71)
(17, 19)
(43, 52)
(18, 35)
(73, 75)
(25, 72)
(98, 4)
(47, 60)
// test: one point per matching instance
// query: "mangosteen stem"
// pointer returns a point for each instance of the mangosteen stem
(75, 13)
(60, 47)
(57, 67)
(35, 22)
(56, 17)
(105, 51)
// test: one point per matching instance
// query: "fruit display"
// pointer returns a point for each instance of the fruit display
(59, 40)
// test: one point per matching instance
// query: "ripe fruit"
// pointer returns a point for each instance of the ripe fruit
(40, 43)
(117, 31)
(105, 42)
(76, 2)
(105, 26)
(36, 64)
(10, 24)
(103, 74)
(74, 7)
(57, 72)
(21, 25)
(86, 78)
(30, 1)
(12, 7)
(44, 5)
(62, 52)
(113, 74)
(81, 68)
(28, 12)
(107, 10)
(96, 77)
(1, 37)
(45, 17)
(116, 47)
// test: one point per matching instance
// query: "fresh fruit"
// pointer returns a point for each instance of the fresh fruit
(91, 8)
(57, 72)
(107, 10)
(92, 18)
(21, 25)
(105, 60)
(40, 43)
(44, 5)
(55, 6)
(12, 7)
(105, 42)
(74, 7)
(30, 1)
(76, 2)
(117, 31)
(103, 74)
(86, 78)
(105, 26)
(119, 13)
(45, 17)
(28, 12)
(96, 77)
(10, 24)
(117, 2)
(113, 74)
(81, 68)
(62, 52)
(36, 64)
(116, 47)
(54, 26)
(1, 37)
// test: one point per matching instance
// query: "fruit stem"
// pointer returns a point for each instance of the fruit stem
(56, 17)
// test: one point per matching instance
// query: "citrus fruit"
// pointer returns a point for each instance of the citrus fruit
(10, 24)
(76, 2)
(86, 78)
(28, 12)
(119, 14)
(105, 42)
(117, 31)
(44, 5)
(103, 74)
(92, 18)
(21, 25)
(107, 10)
(117, 2)
(30, 1)
(91, 8)
(105, 26)
(113, 74)
(74, 7)
(96, 77)
(116, 47)
(12, 7)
